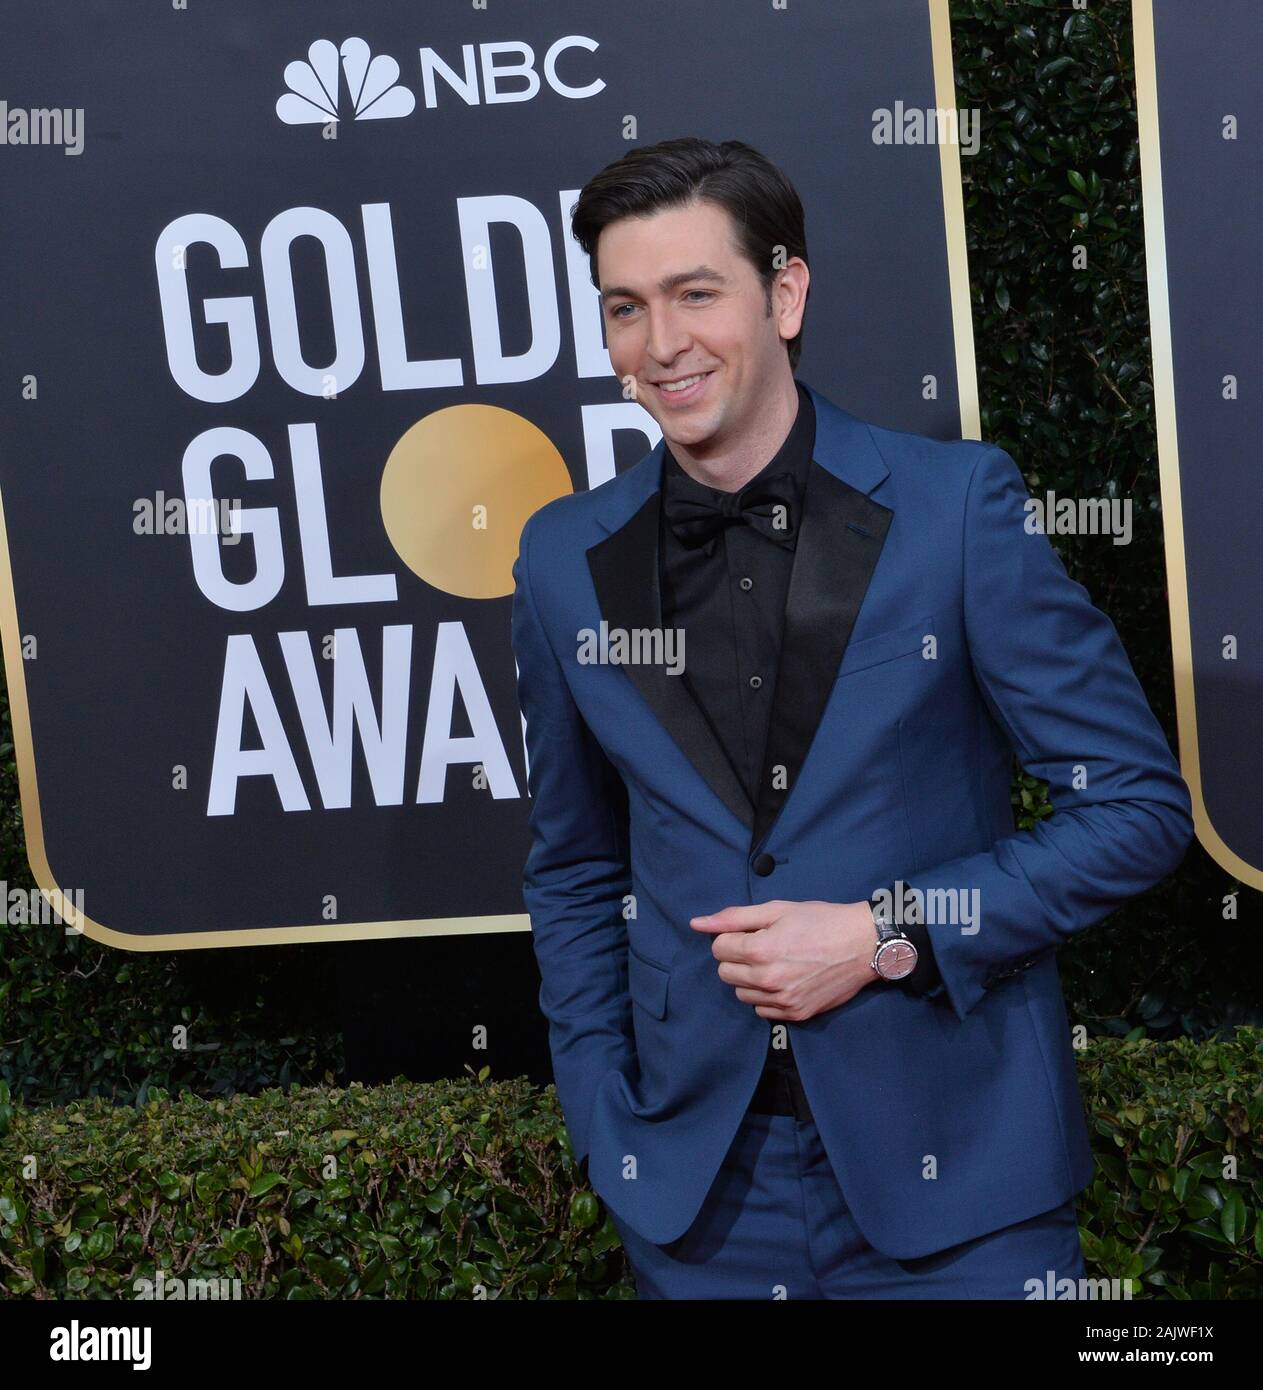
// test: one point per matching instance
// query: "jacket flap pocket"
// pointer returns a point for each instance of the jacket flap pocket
(886, 646)
(647, 984)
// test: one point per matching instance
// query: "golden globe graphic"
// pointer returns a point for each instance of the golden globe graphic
(457, 490)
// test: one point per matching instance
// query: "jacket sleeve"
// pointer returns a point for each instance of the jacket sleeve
(1054, 676)
(577, 872)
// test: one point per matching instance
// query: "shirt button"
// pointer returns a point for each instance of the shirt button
(746, 582)
(755, 682)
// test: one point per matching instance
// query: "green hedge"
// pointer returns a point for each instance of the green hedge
(455, 1189)
(468, 1189)
(1177, 1200)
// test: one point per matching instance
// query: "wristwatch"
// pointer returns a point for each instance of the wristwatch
(896, 956)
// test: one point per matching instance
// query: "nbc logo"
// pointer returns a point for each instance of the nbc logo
(371, 83)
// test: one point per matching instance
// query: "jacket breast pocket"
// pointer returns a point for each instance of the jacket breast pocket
(647, 983)
(886, 646)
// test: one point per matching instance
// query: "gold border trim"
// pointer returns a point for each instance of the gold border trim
(19, 707)
(1168, 440)
(954, 225)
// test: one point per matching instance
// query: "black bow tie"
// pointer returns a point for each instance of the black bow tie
(697, 514)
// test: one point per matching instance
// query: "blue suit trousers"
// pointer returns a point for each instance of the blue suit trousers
(776, 1225)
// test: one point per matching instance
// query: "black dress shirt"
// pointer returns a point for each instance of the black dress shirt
(728, 595)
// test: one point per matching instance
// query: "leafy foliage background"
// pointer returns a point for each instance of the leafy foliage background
(1065, 386)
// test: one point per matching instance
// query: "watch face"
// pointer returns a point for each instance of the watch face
(896, 960)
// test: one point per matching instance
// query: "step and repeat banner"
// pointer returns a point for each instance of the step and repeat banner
(295, 338)
(1201, 119)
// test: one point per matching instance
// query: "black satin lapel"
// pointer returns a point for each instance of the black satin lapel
(624, 570)
(842, 534)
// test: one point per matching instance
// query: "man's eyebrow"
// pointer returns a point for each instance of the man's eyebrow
(670, 282)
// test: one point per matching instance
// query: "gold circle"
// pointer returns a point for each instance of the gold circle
(457, 490)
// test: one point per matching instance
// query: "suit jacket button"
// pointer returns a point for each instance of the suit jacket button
(763, 865)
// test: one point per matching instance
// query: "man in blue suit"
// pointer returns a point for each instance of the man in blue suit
(798, 966)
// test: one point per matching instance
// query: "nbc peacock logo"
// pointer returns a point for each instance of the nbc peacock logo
(372, 85)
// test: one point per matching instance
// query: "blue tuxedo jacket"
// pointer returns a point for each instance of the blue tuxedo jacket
(945, 1116)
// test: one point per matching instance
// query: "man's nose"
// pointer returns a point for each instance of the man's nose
(668, 337)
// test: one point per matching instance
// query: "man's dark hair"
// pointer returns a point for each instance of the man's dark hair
(766, 212)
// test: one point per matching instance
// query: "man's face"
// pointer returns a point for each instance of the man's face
(680, 300)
